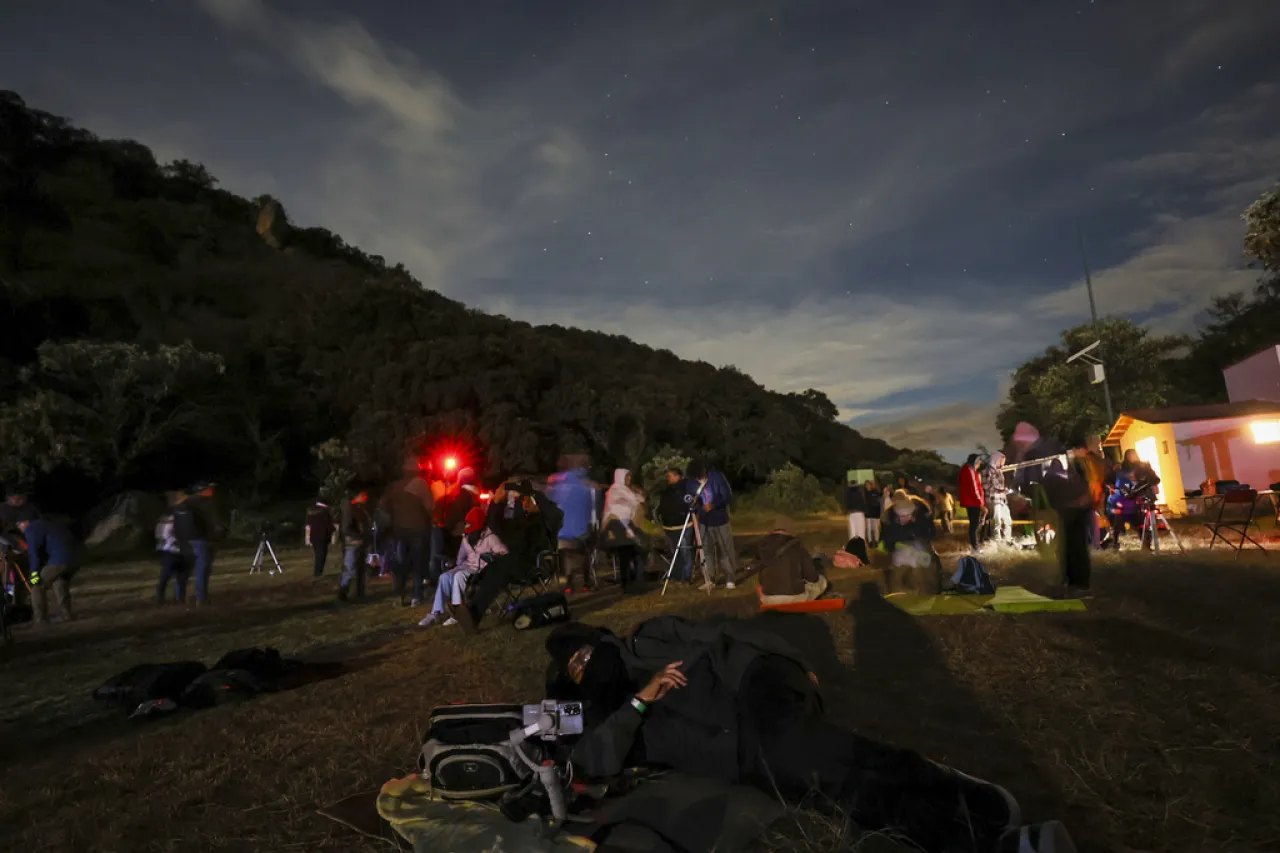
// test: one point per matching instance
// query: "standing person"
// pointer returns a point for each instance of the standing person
(874, 506)
(971, 497)
(173, 565)
(947, 508)
(572, 492)
(198, 528)
(997, 495)
(673, 512)
(51, 556)
(1067, 489)
(855, 505)
(408, 503)
(621, 506)
(319, 532)
(1098, 471)
(713, 495)
(356, 529)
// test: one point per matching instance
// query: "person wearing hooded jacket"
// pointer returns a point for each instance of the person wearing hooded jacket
(712, 497)
(621, 506)
(573, 493)
(997, 495)
(734, 704)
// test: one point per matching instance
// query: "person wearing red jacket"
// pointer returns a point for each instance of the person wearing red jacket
(971, 496)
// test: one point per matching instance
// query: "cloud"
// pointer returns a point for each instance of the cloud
(953, 429)
(810, 222)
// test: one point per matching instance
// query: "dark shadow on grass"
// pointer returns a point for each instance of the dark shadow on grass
(902, 691)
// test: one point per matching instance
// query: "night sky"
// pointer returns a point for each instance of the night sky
(876, 199)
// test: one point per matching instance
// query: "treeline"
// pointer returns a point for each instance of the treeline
(1146, 370)
(158, 329)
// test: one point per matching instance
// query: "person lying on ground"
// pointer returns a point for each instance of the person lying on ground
(479, 546)
(788, 573)
(735, 704)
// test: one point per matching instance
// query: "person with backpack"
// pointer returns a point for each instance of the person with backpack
(319, 531)
(972, 498)
(712, 498)
(1066, 487)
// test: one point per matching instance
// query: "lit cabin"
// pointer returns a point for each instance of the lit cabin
(1189, 445)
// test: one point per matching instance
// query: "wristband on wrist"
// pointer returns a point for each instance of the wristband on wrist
(638, 704)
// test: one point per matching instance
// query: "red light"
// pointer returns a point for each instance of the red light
(450, 463)
(484, 496)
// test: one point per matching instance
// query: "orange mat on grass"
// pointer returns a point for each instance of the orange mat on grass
(818, 605)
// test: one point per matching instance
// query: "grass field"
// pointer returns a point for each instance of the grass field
(1151, 722)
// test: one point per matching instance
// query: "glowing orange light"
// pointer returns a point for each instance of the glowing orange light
(450, 463)
(484, 496)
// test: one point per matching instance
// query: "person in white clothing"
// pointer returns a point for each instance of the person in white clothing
(478, 544)
(621, 507)
(997, 492)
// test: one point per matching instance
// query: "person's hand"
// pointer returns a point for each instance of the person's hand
(814, 678)
(663, 682)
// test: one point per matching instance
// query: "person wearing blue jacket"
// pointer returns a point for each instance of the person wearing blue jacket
(712, 497)
(573, 493)
(51, 552)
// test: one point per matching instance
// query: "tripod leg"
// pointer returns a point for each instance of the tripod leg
(1173, 533)
(675, 556)
(274, 559)
(257, 560)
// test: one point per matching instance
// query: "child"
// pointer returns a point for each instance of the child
(172, 562)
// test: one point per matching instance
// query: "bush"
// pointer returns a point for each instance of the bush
(653, 474)
(791, 490)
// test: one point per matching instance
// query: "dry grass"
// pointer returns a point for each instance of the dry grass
(1149, 723)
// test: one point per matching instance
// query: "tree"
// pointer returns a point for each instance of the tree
(1262, 235)
(928, 465)
(103, 408)
(1058, 398)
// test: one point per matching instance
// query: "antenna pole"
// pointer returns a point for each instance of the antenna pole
(1093, 313)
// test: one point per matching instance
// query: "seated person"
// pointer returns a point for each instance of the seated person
(628, 542)
(907, 534)
(788, 573)
(526, 522)
(733, 704)
(479, 545)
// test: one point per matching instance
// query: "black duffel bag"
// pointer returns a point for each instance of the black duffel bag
(539, 611)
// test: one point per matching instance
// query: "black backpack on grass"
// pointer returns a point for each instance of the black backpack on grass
(540, 611)
(149, 688)
(225, 687)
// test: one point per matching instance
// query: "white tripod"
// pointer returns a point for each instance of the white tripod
(265, 549)
(1152, 518)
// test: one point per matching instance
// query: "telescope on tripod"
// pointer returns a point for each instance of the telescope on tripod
(265, 550)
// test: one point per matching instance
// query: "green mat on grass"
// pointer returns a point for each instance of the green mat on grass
(1008, 599)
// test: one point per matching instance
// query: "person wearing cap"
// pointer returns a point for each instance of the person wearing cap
(319, 531)
(480, 545)
(52, 560)
(733, 704)
(357, 529)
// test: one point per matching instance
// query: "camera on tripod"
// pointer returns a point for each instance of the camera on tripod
(554, 719)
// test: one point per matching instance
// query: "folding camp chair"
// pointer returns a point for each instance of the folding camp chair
(537, 580)
(1238, 497)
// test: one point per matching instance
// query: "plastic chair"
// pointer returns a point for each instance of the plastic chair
(1238, 497)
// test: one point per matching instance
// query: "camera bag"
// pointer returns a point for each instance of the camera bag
(467, 755)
